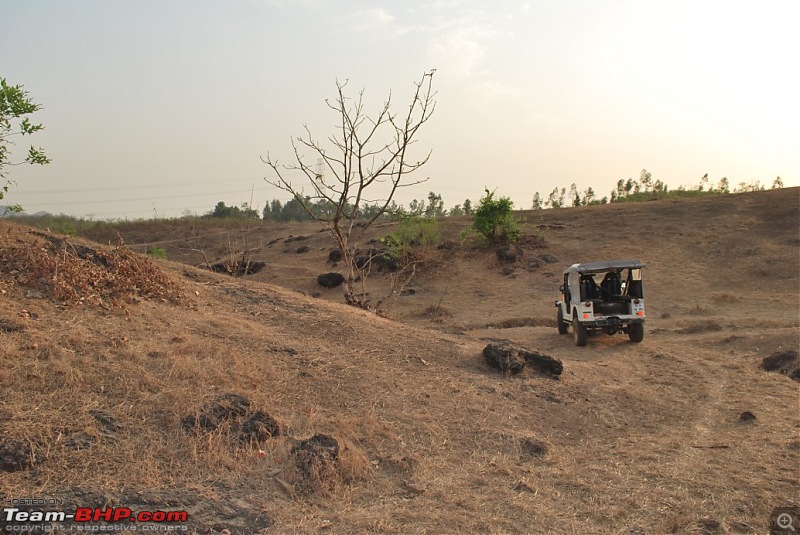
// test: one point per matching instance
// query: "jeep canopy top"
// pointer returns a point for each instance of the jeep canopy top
(605, 266)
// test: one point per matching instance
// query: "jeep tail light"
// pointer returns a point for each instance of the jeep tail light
(585, 316)
(587, 303)
(640, 313)
(635, 301)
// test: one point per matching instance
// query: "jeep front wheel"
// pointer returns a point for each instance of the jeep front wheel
(580, 332)
(562, 325)
(636, 332)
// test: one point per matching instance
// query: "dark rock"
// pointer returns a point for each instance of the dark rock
(319, 444)
(504, 357)
(784, 362)
(533, 264)
(779, 360)
(747, 416)
(509, 358)
(290, 239)
(303, 249)
(15, 455)
(548, 258)
(408, 291)
(315, 455)
(9, 326)
(335, 255)
(219, 267)
(210, 416)
(238, 268)
(543, 363)
(330, 280)
(508, 270)
(509, 253)
(259, 427)
(362, 261)
(379, 259)
(386, 262)
(530, 447)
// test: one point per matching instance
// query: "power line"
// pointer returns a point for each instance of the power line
(154, 198)
(121, 188)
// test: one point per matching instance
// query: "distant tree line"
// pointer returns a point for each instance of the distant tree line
(645, 188)
(293, 210)
(233, 212)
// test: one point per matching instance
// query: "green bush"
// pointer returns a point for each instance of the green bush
(157, 252)
(494, 219)
(412, 234)
(68, 230)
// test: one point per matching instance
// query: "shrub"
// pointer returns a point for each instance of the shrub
(494, 219)
(157, 252)
(412, 234)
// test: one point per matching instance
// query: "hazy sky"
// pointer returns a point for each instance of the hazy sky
(157, 106)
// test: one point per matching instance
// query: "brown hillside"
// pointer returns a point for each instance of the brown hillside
(128, 400)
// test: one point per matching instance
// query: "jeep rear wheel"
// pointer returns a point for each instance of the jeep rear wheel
(562, 325)
(579, 331)
(636, 332)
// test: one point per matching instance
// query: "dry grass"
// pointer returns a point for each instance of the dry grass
(640, 438)
(74, 273)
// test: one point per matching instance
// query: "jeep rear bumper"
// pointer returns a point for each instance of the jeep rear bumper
(612, 321)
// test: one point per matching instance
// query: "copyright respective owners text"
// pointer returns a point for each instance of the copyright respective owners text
(48, 515)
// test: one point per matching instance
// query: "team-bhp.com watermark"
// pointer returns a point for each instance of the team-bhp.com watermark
(23, 517)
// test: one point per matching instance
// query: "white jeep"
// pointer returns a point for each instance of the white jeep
(615, 305)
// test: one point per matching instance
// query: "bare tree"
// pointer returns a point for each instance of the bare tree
(367, 163)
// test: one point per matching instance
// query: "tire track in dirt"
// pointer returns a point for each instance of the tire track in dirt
(706, 449)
